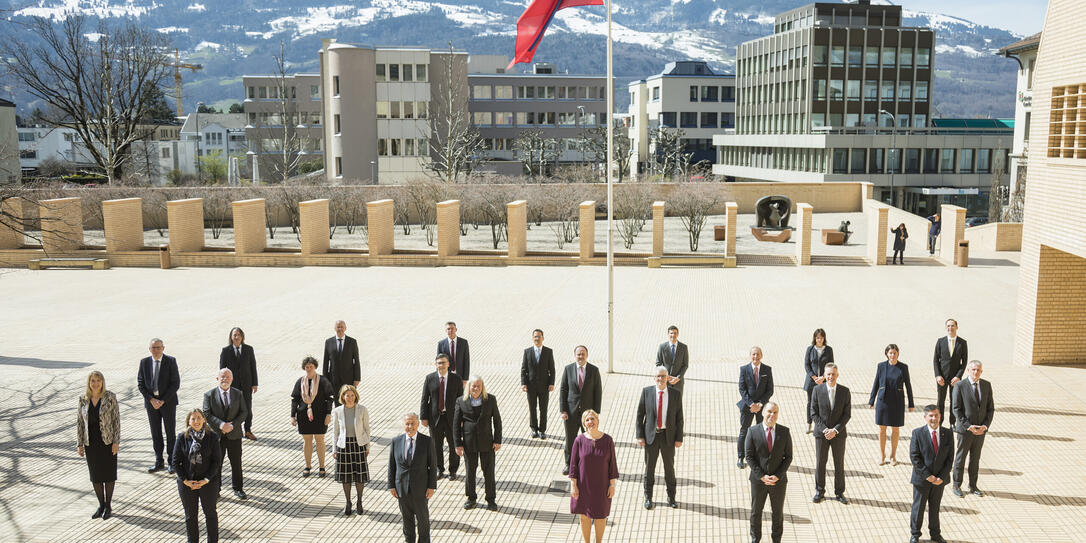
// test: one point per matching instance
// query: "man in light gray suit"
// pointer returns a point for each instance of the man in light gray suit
(973, 408)
(225, 411)
(673, 355)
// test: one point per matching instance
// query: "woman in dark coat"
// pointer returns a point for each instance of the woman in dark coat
(888, 399)
(197, 459)
(98, 425)
(900, 235)
(311, 412)
(814, 362)
(593, 472)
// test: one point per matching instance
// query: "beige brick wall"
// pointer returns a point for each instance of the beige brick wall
(61, 224)
(658, 228)
(877, 215)
(731, 209)
(185, 220)
(11, 227)
(1051, 305)
(997, 236)
(588, 229)
(249, 224)
(380, 220)
(313, 221)
(123, 224)
(953, 231)
(804, 214)
(448, 228)
(517, 227)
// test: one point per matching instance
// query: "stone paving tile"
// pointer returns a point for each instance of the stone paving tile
(59, 324)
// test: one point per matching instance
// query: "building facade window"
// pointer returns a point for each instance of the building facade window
(946, 163)
(819, 56)
(840, 161)
(381, 77)
(710, 93)
(336, 123)
(853, 89)
(503, 92)
(923, 57)
(921, 91)
(858, 161)
(837, 91)
(668, 119)
(688, 119)
(394, 72)
(837, 55)
(708, 119)
(480, 92)
(408, 72)
(965, 164)
(693, 93)
(656, 94)
(727, 120)
(420, 73)
(871, 57)
(889, 57)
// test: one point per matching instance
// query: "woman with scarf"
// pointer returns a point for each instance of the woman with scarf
(311, 411)
(196, 461)
(98, 429)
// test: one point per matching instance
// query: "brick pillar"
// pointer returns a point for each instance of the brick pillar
(381, 224)
(804, 213)
(185, 220)
(953, 231)
(588, 229)
(249, 224)
(732, 212)
(123, 224)
(61, 224)
(448, 228)
(313, 219)
(658, 229)
(877, 215)
(11, 229)
(517, 227)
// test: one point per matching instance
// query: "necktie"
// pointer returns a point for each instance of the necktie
(537, 355)
(340, 345)
(673, 352)
(452, 353)
(154, 376)
(935, 441)
(660, 411)
(950, 342)
(410, 449)
(769, 439)
(441, 394)
(226, 398)
(832, 392)
(237, 352)
(756, 376)
(580, 377)
(976, 392)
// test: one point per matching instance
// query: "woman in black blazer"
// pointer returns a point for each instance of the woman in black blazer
(311, 412)
(197, 459)
(814, 362)
(900, 235)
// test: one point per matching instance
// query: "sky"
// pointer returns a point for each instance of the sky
(1024, 17)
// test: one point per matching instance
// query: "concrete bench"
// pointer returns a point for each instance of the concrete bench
(716, 261)
(89, 262)
(830, 236)
(761, 234)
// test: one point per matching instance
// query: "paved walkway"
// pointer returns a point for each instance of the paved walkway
(58, 324)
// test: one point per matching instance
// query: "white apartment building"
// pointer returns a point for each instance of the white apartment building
(1025, 52)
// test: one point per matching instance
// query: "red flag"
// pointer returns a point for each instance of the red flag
(534, 21)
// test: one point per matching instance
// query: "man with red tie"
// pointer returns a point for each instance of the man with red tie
(439, 394)
(659, 427)
(456, 349)
(581, 389)
(931, 452)
(769, 453)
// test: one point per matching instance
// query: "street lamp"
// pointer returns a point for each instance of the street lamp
(893, 145)
(373, 172)
(199, 167)
(583, 141)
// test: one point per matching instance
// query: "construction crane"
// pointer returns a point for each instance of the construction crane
(177, 65)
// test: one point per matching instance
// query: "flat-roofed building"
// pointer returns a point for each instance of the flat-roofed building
(1025, 52)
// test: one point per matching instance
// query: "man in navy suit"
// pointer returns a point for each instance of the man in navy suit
(412, 478)
(769, 452)
(659, 429)
(239, 357)
(456, 348)
(931, 450)
(755, 389)
(951, 353)
(158, 381)
(537, 379)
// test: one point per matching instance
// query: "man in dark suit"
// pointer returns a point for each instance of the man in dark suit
(456, 348)
(755, 389)
(674, 356)
(769, 453)
(659, 428)
(158, 381)
(930, 450)
(537, 379)
(972, 404)
(478, 428)
(831, 409)
(951, 352)
(439, 394)
(225, 411)
(581, 389)
(412, 478)
(240, 358)
(341, 363)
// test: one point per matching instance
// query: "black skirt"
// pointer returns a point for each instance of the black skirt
(351, 465)
(101, 462)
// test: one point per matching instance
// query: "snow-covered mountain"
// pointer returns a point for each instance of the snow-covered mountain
(234, 37)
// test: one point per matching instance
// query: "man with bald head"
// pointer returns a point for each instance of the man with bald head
(225, 411)
(341, 364)
(755, 389)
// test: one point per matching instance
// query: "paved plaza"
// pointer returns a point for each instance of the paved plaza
(59, 324)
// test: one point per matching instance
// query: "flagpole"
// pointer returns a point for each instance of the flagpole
(610, 208)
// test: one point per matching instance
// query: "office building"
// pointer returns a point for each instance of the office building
(1025, 53)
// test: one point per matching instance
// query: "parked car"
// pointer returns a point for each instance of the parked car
(975, 221)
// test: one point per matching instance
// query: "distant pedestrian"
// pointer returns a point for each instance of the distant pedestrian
(900, 235)
(933, 231)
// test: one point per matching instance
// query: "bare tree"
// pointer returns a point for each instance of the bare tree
(100, 88)
(631, 205)
(536, 151)
(622, 150)
(281, 154)
(1017, 206)
(456, 147)
(996, 194)
(670, 158)
(693, 209)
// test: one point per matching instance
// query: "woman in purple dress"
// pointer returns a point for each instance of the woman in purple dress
(593, 471)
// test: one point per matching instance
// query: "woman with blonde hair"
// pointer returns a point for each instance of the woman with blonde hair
(477, 430)
(197, 459)
(351, 434)
(593, 472)
(98, 436)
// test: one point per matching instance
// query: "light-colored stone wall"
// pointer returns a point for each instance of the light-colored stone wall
(953, 231)
(804, 215)
(380, 218)
(658, 228)
(517, 227)
(998, 236)
(1060, 305)
(313, 222)
(877, 215)
(123, 220)
(61, 224)
(588, 229)
(732, 211)
(448, 228)
(185, 221)
(249, 224)
(11, 227)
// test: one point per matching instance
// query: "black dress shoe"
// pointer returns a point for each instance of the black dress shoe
(535, 434)
(818, 497)
(470, 504)
(958, 492)
(741, 464)
(649, 504)
(841, 498)
(542, 435)
(938, 539)
(98, 513)
(976, 492)
(169, 469)
(672, 503)
(241, 495)
(440, 475)
(347, 510)
(108, 512)
(321, 472)
(565, 470)
(159, 466)
(358, 505)
(491, 506)
(914, 539)
(452, 476)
